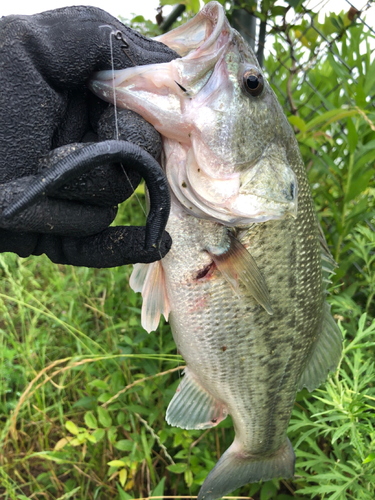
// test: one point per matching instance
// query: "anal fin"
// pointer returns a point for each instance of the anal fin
(325, 355)
(192, 407)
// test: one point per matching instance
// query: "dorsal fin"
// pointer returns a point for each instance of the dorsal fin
(328, 262)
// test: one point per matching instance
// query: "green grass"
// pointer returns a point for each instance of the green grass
(72, 342)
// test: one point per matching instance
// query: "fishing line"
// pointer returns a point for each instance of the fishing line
(113, 33)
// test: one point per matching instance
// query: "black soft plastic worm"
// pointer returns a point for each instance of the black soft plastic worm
(93, 155)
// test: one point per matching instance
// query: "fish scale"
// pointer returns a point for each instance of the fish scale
(242, 283)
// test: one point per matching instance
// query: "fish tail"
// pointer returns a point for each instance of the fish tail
(235, 469)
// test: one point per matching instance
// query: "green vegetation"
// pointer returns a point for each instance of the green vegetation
(84, 389)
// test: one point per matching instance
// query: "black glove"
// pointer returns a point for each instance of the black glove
(45, 110)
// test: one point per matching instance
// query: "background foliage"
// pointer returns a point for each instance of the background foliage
(84, 389)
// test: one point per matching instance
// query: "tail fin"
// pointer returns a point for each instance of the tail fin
(234, 469)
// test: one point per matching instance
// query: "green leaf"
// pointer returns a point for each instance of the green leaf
(104, 397)
(124, 445)
(360, 184)
(99, 434)
(268, 491)
(329, 117)
(90, 420)
(360, 97)
(352, 135)
(122, 494)
(104, 417)
(170, 2)
(52, 456)
(70, 494)
(177, 468)
(116, 463)
(72, 428)
(138, 19)
(159, 490)
(121, 419)
(99, 384)
(340, 431)
(123, 474)
(86, 402)
(370, 79)
(298, 122)
(278, 10)
(75, 442)
(188, 476)
(294, 3)
(139, 409)
(112, 434)
(370, 458)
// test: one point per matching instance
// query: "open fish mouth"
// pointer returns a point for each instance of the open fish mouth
(217, 114)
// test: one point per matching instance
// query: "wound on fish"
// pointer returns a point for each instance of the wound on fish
(206, 272)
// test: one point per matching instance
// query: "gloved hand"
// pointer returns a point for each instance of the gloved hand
(46, 113)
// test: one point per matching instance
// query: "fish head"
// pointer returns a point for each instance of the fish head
(225, 135)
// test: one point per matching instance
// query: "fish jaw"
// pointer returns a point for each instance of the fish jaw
(160, 92)
(148, 90)
(260, 194)
(198, 104)
(199, 33)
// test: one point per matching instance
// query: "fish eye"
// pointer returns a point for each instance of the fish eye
(253, 82)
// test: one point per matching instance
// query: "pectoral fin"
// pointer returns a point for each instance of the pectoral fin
(149, 279)
(237, 265)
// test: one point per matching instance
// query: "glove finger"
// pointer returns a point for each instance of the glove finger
(106, 185)
(115, 246)
(96, 154)
(126, 125)
(53, 216)
(22, 244)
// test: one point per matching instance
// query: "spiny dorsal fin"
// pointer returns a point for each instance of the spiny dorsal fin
(328, 262)
(237, 265)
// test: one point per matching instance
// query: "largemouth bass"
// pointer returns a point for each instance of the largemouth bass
(243, 284)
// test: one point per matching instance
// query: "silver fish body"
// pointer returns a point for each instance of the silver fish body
(250, 362)
(243, 282)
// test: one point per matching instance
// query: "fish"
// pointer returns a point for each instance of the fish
(244, 284)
